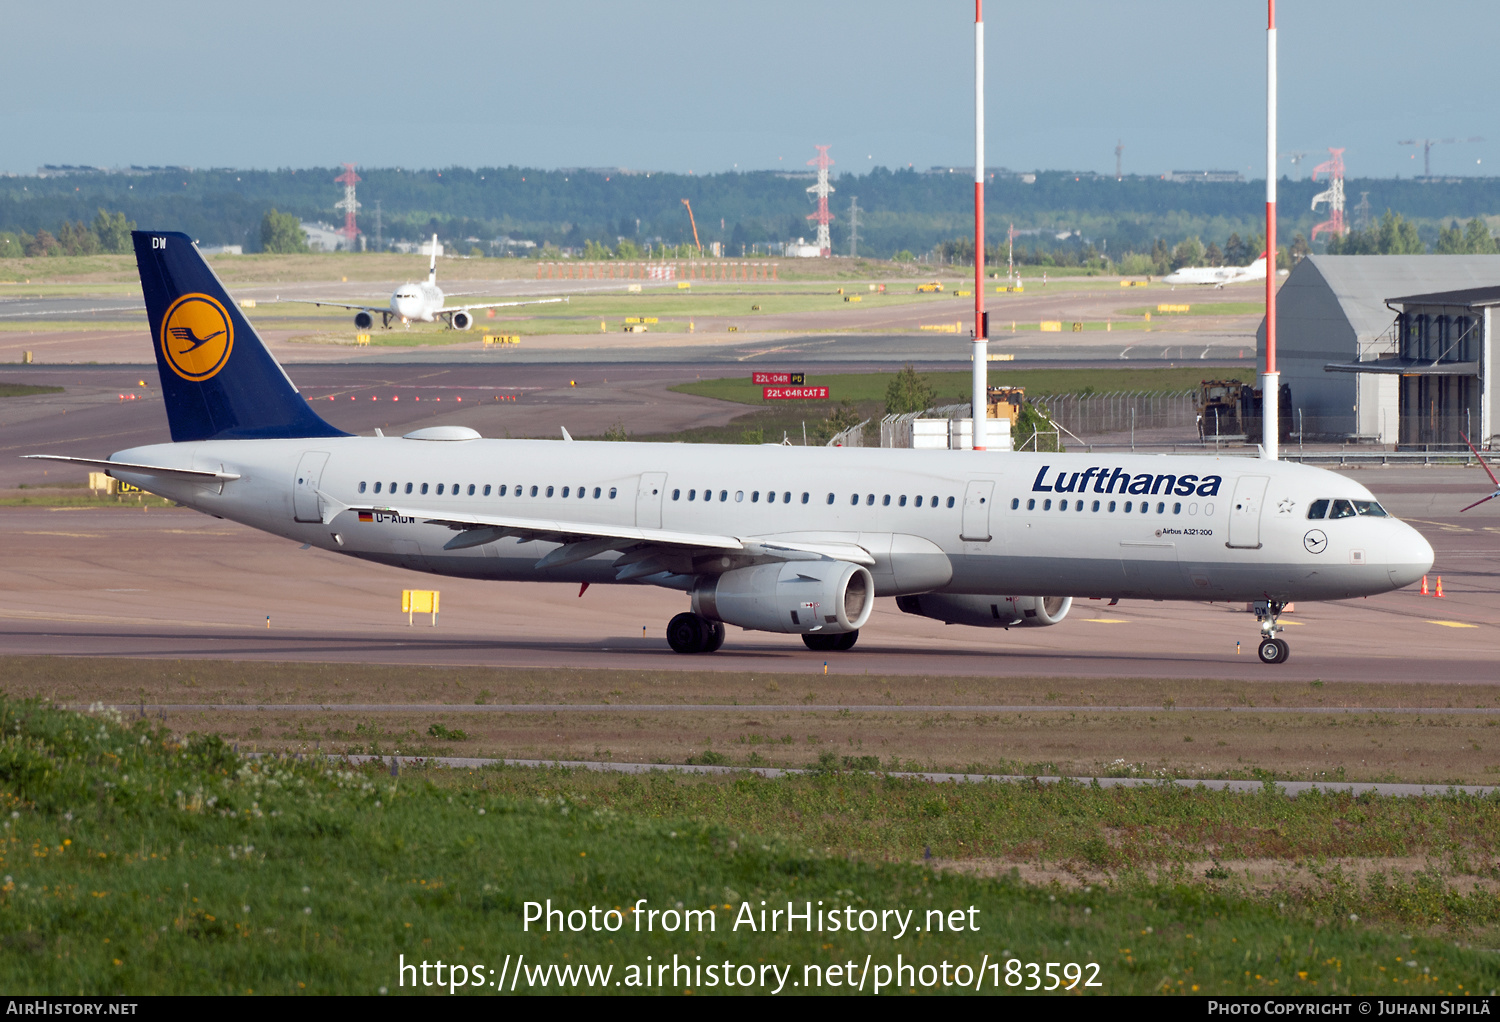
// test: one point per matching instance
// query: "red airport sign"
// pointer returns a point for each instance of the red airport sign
(794, 393)
(794, 379)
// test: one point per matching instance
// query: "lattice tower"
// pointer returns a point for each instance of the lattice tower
(1334, 195)
(349, 204)
(822, 190)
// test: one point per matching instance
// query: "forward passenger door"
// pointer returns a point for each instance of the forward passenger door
(1244, 512)
(648, 500)
(976, 515)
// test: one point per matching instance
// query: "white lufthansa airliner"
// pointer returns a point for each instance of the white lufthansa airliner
(1218, 276)
(780, 539)
(421, 303)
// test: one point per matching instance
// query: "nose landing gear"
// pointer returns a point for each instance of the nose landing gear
(1270, 649)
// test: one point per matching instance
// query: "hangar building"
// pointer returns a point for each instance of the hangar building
(1391, 349)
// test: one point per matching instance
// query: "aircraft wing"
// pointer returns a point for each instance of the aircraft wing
(337, 305)
(498, 305)
(157, 470)
(646, 551)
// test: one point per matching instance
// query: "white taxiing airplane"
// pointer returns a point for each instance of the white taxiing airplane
(1218, 276)
(421, 303)
(780, 539)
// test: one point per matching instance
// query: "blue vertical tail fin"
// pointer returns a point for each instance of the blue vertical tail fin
(218, 380)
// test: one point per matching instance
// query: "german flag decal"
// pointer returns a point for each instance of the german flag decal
(366, 516)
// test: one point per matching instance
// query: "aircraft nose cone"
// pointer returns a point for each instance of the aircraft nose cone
(1411, 557)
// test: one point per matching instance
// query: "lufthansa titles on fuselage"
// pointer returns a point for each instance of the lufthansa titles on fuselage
(1121, 481)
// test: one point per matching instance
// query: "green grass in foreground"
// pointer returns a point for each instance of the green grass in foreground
(135, 863)
(9, 389)
(955, 386)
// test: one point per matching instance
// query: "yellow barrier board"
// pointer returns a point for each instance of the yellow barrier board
(1077, 328)
(942, 328)
(419, 601)
(963, 294)
(734, 329)
(1051, 326)
(683, 285)
(1011, 289)
(247, 303)
(1133, 283)
(634, 289)
(362, 340)
(854, 298)
(490, 339)
(640, 319)
(1173, 308)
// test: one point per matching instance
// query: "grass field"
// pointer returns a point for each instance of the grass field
(8, 389)
(1279, 730)
(859, 387)
(139, 861)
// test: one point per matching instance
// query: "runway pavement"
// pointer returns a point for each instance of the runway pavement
(177, 584)
(1290, 789)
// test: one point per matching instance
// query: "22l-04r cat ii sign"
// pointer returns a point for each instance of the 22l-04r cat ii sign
(794, 393)
(797, 540)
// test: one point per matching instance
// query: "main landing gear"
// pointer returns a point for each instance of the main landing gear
(689, 633)
(1270, 649)
(838, 642)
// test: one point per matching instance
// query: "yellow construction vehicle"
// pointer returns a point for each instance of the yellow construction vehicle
(1005, 403)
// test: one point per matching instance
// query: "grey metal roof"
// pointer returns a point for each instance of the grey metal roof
(1468, 297)
(1362, 284)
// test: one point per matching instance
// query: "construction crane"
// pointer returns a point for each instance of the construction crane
(696, 242)
(1428, 143)
(1296, 157)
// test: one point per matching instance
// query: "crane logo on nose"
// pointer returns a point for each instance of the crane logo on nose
(1315, 541)
(196, 337)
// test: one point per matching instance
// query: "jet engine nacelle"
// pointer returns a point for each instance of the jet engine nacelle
(828, 597)
(364, 320)
(989, 611)
(462, 321)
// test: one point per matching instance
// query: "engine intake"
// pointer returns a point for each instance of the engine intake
(801, 597)
(989, 611)
(363, 320)
(462, 321)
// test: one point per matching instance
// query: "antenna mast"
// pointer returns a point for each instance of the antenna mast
(822, 190)
(981, 376)
(1270, 385)
(349, 203)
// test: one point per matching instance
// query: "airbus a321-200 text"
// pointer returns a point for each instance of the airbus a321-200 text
(783, 539)
(420, 303)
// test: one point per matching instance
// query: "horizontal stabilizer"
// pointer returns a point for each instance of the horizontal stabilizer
(126, 466)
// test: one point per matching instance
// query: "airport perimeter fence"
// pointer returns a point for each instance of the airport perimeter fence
(1121, 411)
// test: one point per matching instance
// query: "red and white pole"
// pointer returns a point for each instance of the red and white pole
(1270, 380)
(981, 339)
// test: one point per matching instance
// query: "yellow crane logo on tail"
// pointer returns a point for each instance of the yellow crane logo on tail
(196, 337)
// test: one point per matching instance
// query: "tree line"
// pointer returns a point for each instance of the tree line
(109, 232)
(903, 210)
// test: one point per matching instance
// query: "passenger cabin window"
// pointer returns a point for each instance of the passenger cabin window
(1015, 502)
(1031, 504)
(597, 491)
(501, 491)
(919, 500)
(533, 491)
(723, 494)
(440, 489)
(830, 498)
(471, 489)
(804, 497)
(549, 491)
(676, 494)
(408, 488)
(566, 491)
(362, 487)
(612, 492)
(424, 487)
(755, 497)
(1317, 509)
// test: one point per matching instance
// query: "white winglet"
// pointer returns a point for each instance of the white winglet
(566, 435)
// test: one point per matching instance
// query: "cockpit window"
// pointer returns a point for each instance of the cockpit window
(1342, 509)
(1371, 508)
(1318, 509)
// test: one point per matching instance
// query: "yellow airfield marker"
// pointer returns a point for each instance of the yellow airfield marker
(1453, 624)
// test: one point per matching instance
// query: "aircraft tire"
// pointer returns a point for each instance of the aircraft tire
(846, 641)
(820, 643)
(714, 637)
(686, 634)
(1269, 651)
(1286, 651)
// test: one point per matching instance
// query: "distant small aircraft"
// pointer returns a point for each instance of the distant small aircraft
(421, 303)
(1218, 276)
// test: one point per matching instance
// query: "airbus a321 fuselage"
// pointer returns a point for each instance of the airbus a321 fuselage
(1218, 276)
(422, 302)
(780, 539)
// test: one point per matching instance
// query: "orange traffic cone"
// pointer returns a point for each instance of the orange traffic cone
(1425, 590)
(1439, 592)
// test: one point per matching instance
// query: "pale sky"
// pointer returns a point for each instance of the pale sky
(707, 86)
